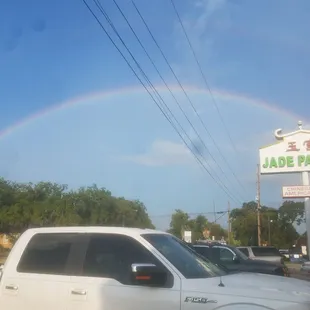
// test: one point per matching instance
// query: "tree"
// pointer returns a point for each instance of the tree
(50, 204)
(275, 224)
(180, 221)
(292, 212)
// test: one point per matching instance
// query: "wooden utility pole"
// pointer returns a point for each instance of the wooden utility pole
(228, 231)
(258, 207)
(214, 212)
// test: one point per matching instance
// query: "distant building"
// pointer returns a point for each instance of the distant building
(5, 241)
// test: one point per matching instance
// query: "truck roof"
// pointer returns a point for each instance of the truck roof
(95, 229)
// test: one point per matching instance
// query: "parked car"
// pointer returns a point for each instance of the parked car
(266, 253)
(88, 268)
(285, 253)
(235, 261)
(296, 255)
(305, 267)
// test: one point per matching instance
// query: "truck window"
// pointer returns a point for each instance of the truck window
(265, 251)
(245, 251)
(202, 250)
(226, 255)
(186, 260)
(46, 254)
(111, 256)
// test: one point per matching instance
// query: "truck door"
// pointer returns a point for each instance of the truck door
(40, 278)
(105, 282)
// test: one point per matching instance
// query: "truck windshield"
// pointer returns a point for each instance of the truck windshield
(186, 260)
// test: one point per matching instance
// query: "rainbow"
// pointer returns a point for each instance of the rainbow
(105, 94)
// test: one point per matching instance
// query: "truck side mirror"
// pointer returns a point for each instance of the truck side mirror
(148, 275)
(236, 259)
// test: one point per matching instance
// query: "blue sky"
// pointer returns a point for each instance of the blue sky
(55, 52)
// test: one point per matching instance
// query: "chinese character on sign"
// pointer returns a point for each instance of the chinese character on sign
(307, 145)
(292, 147)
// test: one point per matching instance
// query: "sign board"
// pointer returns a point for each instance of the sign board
(302, 191)
(187, 236)
(291, 154)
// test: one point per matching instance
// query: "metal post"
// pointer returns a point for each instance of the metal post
(305, 181)
(229, 227)
(269, 236)
(258, 207)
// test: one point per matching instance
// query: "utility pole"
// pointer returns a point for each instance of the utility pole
(228, 215)
(214, 212)
(258, 206)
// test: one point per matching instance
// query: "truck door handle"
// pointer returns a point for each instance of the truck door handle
(78, 292)
(11, 287)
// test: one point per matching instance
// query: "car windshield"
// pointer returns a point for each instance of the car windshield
(185, 259)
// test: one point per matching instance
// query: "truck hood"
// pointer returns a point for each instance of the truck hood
(254, 285)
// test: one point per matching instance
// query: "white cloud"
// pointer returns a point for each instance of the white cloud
(202, 22)
(163, 153)
(208, 8)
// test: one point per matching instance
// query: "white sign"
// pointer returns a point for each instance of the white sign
(187, 236)
(291, 154)
(296, 191)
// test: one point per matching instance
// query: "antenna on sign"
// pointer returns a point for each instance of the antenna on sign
(300, 125)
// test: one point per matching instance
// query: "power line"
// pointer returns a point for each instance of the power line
(169, 89)
(100, 7)
(180, 84)
(190, 214)
(222, 186)
(211, 94)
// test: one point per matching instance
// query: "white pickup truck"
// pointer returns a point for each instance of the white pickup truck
(106, 268)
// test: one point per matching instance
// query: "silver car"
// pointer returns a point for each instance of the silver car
(305, 268)
(266, 253)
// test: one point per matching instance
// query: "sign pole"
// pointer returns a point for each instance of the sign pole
(258, 207)
(228, 231)
(305, 181)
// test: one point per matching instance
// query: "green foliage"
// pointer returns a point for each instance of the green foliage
(49, 204)
(278, 224)
(180, 221)
(234, 242)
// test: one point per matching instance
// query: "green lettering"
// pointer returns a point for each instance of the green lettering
(301, 160)
(266, 164)
(289, 161)
(281, 161)
(307, 161)
(273, 163)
